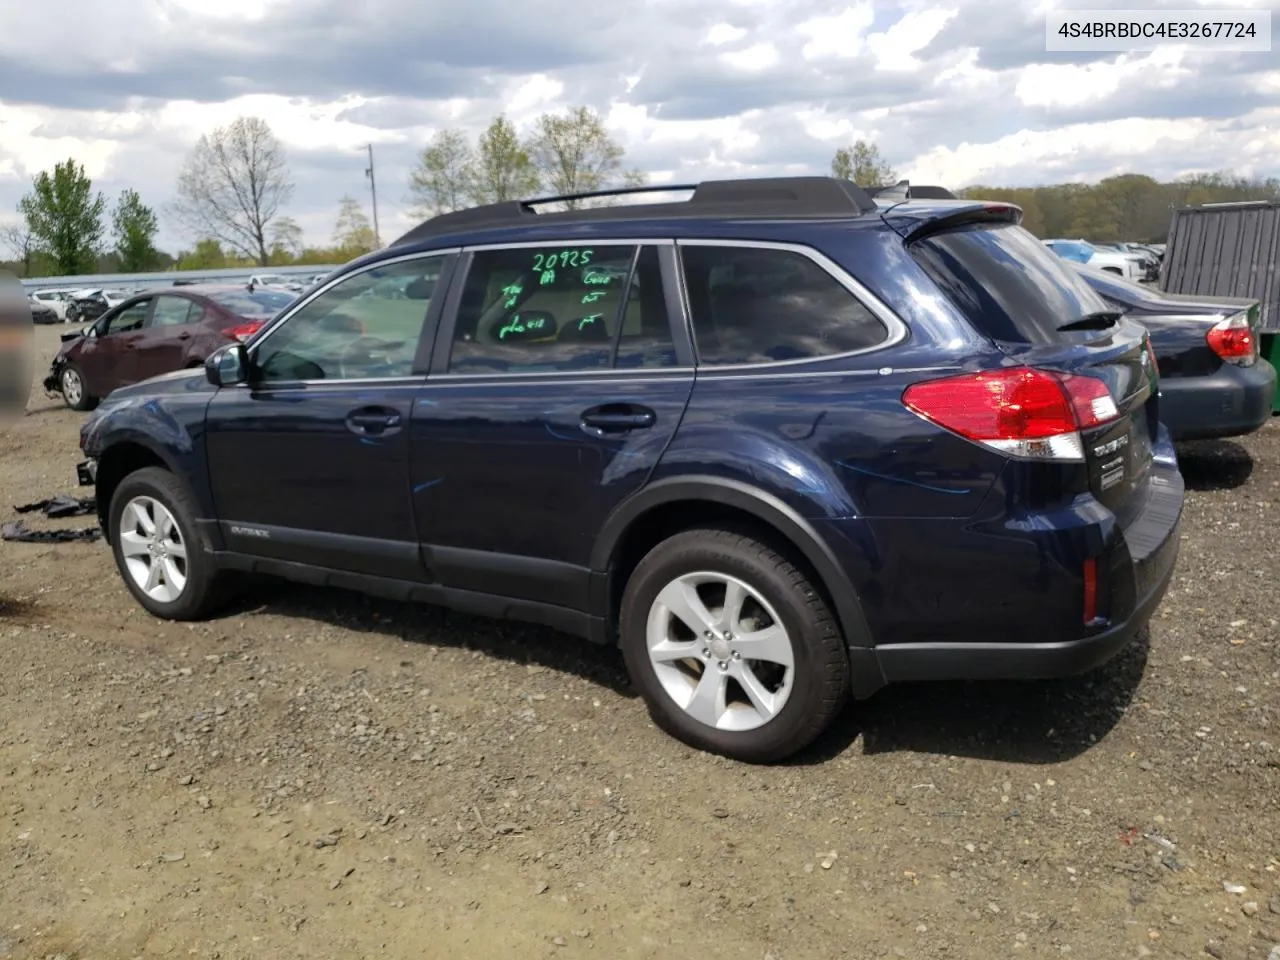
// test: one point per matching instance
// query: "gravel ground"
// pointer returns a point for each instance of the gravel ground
(322, 775)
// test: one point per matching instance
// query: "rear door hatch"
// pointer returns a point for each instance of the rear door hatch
(1040, 314)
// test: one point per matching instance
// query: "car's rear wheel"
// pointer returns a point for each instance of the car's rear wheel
(151, 521)
(74, 391)
(732, 647)
(73, 313)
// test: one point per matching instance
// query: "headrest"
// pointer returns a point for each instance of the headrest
(420, 289)
(590, 328)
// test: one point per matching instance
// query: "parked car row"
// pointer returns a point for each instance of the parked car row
(1117, 259)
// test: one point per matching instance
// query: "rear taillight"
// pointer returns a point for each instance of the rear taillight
(1021, 411)
(244, 331)
(1232, 339)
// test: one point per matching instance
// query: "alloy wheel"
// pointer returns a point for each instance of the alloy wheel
(154, 552)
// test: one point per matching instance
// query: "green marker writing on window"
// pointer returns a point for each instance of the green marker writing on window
(588, 321)
(593, 296)
(512, 293)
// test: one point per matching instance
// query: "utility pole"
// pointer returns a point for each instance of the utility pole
(373, 188)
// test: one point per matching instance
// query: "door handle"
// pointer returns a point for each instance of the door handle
(618, 418)
(373, 421)
(184, 336)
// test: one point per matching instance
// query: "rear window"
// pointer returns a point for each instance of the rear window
(1009, 286)
(257, 304)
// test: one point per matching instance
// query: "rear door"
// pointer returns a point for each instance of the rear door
(559, 377)
(1039, 312)
(162, 344)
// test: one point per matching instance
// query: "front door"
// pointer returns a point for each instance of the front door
(555, 388)
(107, 359)
(309, 460)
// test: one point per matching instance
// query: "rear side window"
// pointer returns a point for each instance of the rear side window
(1009, 286)
(756, 305)
(562, 308)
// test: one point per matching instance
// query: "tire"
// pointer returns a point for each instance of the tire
(75, 392)
(155, 491)
(799, 709)
(73, 313)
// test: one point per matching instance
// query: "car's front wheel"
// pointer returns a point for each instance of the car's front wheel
(74, 391)
(732, 647)
(157, 549)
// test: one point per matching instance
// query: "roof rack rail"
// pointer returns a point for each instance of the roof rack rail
(817, 197)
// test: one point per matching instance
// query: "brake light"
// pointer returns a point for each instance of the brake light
(244, 331)
(1232, 339)
(1020, 411)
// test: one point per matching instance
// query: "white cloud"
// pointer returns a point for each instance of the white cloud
(955, 92)
(840, 36)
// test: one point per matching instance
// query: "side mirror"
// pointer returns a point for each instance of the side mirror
(228, 365)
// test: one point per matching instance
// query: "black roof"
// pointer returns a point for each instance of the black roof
(790, 197)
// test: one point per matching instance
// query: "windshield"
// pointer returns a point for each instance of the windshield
(256, 304)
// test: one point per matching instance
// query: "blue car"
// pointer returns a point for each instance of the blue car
(782, 442)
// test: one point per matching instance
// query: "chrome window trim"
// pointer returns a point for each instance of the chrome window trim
(569, 244)
(896, 328)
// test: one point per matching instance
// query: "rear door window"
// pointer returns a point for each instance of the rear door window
(754, 305)
(1007, 284)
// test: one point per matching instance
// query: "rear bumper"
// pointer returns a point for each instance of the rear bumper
(1139, 566)
(1228, 403)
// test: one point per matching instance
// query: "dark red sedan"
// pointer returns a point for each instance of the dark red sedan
(156, 332)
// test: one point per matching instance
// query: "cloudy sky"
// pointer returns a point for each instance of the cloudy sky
(953, 91)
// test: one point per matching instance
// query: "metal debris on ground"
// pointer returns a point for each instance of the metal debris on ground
(18, 532)
(57, 507)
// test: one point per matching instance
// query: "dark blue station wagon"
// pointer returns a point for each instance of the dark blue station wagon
(783, 442)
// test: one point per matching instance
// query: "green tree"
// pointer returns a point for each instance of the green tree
(574, 153)
(233, 185)
(134, 225)
(442, 180)
(64, 218)
(863, 164)
(352, 233)
(500, 166)
(207, 255)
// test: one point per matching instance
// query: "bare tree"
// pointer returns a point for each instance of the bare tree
(443, 179)
(233, 184)
(17, 239)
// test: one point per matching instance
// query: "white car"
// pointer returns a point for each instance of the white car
(276, 281)
(1126, 265)
(55, 300)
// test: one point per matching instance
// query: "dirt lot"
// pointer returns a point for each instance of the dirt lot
(320, 775)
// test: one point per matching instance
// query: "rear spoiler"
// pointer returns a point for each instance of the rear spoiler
(920, 222)
(905, 190)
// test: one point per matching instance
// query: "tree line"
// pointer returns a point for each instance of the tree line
(235, 184)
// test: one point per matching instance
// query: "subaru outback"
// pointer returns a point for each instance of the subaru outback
(782, 442)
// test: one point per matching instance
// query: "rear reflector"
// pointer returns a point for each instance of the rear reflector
(244, 331)
(1020, 411)
(1232, 339)
(1090, 590)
